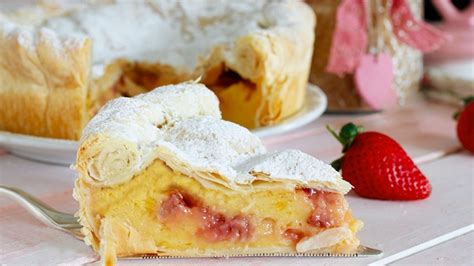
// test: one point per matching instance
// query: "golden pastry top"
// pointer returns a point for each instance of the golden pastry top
(172, 32)
(181, 125)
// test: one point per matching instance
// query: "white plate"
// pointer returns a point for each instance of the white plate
(63, 152)
(313, 107)
(47, 150)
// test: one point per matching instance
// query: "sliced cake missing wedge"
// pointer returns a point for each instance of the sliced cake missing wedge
(162, 173)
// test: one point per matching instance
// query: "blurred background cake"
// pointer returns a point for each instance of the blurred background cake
(60, 64)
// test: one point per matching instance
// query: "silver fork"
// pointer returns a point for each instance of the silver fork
(63, 221)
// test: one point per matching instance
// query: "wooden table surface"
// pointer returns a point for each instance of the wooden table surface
(438, 230)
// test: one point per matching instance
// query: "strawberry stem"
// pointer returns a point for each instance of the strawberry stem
(346, 137)
(335, 135)
(348, 133)
(466, 101)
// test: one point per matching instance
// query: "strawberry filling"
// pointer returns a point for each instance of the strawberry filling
(216, 227)
(329, 208)
(294, 235)
(212, 226)
(174, 205)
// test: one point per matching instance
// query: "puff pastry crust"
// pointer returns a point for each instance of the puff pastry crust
(59, 66)
(162, 173)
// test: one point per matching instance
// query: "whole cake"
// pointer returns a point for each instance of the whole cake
(58, 66)
(162, 173)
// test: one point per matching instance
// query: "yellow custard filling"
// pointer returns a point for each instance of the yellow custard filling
(161, 210)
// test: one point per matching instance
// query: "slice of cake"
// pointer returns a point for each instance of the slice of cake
(162, 173)
(58, 66)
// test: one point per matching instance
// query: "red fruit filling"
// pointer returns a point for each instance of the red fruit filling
(329, 208)
(294, 235)
(212, 226)
(217, 227)
(175, 204)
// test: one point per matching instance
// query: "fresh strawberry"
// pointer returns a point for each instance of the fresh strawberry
(465, 127)
(378, 167)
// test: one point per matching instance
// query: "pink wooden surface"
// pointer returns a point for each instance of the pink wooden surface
(424, 129)
(446, 253)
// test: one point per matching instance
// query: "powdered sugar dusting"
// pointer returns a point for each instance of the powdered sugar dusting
(132, 119)
(170, 31)
(174, 33)
(30, 37)
(294, 164)
(141, 118)
(184, 100)
(181, 125)
(212, 144)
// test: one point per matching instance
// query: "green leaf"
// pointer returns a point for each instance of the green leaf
(337, 164)
(468, 100)
(346, 136)
(348, 133)
(456, 115)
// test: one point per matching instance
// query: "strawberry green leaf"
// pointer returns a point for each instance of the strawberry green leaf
(468, 100)
(337, 164)
(346, 136)
(348, 133)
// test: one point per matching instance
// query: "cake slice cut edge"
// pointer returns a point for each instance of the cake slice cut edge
(162, 173)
